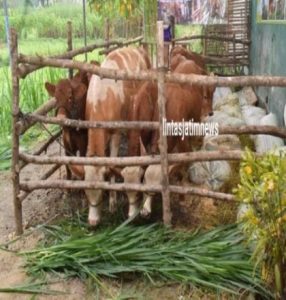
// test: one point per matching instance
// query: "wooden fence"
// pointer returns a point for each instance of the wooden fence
(23, 65)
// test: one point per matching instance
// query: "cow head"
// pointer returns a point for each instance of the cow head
(70, 96)
(132, 174)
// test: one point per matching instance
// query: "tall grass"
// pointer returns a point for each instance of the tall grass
(32, 89)
(52, 22)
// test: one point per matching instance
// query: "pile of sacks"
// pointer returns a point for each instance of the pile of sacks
(227, 111)
(234, 109)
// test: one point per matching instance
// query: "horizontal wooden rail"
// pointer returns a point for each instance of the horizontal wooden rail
(43, 147)
(90, 124)
(123, 187)
(134, 160)
(200, 80)
(126, 43)
(49, 173)
(26, 123)
(254, 129)
(212, 37)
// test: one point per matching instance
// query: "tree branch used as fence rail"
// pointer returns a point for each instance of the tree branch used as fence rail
(24, 69)
(123, 187)
(126, 43)
(43, 147)
(226, 129)
(91, 124)
(200, 80)
(50, 172)
(212, 37)
(26, 123)
(135, 160)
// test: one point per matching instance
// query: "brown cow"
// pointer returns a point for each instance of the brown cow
(141, 109)
(70, 95)
(184, 102)
(179, 50)
(109, 100)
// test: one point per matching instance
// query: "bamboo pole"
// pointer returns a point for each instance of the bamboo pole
(122, 187)
(42, 148)
(135, 160)
(163, 147)
(200, 80)
(212, 37)
(16, 142)
(106, 33)
(24, 194)
(234, 53)
(223, 129)
(69, 42)
(84, 26)
(25, 123)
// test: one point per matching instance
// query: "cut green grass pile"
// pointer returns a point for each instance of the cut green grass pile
(217, 259)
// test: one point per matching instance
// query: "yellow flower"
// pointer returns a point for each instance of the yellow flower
(254, 220)
(270, 185)
(248, 170)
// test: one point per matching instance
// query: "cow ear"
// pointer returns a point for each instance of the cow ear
(51, 89)
(79, 90)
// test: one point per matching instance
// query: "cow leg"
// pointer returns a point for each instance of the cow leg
(147, 206)
(94, 198)
(114, 147)
(93, 174)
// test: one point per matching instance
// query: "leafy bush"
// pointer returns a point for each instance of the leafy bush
(263, 188)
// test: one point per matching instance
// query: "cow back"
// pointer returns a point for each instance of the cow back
(108, 99)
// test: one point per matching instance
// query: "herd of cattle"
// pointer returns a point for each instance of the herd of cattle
(88, 97)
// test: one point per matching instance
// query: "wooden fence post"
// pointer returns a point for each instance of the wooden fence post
(106, 33)
(167, 215)
(16, 142)
(69, 41)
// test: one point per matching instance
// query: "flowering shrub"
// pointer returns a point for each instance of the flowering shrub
(263, 188)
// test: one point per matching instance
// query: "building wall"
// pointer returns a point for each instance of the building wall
(268, 57)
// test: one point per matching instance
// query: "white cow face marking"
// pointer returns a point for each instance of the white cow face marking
(132, 175)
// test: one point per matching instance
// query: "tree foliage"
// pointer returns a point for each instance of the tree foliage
(109, 8)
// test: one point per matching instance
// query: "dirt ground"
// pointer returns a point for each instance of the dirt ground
(46, 205)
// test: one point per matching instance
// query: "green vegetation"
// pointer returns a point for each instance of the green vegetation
(263, 188)
(216, 259)
(41, 32)
(51, 22)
